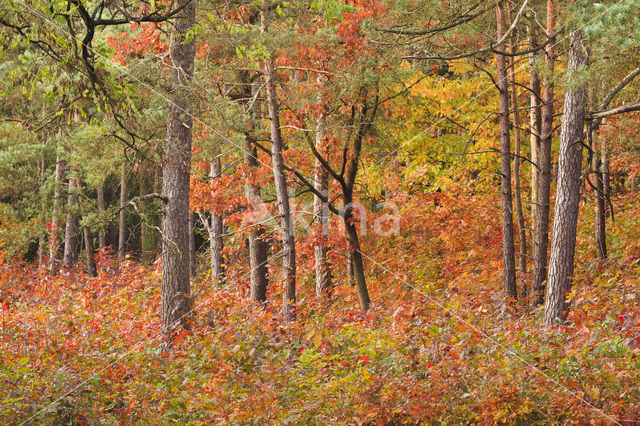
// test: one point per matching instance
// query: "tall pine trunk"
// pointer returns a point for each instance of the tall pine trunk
(544, 163)
(176, 286)
(216, 241)
(257, 245)
(280, 180)
(535, 124)
(72, 229)
(508, 248)
(522, 231)
(598, 192)
(55, 233)
(42, 244)
(102, 237)
(122, 228)
(563, 243)
(321, 213)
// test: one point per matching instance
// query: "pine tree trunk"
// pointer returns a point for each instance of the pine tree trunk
(522, 231)
(535, 124)
(122, 229)
(176, 286)
(88, 251)
(72, 229)
(598, 193)
(355, 254)
(508, 248)
(42, 243)
(286, 220)
(257, 245)
(216, 241)
(55, 236)
(102, 237)
(563, 243)
(321, 213)
(544, 163)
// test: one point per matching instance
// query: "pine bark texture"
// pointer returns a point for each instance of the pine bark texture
(544, 163)
(563, 243)
(175, 288)
(508, 247)
(535, 125)
(88, 252)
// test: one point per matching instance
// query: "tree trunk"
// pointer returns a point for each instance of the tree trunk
(257, 245)
(42, 244)
(122, 229)
(176, 286)
(508, 249)
(216, 241)
(544, 163)
(565, 224)
(102, 238)
(535, 124)
(88, 251)
(606, 176)
(54, 238)
(355, 254)
(71, 231)
(321, 212)
(287, 226)
(598, 193)
(522, 231)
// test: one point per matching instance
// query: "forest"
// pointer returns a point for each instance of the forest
(319, 212)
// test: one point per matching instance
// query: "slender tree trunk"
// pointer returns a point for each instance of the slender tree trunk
(216, 241)
(88, 250)
(176, 286)
(147, 231)
(72, 229)
(42, 244)
(257, 245)
(535, 124)
(287, 226)
(102, 237)
(54, 238)
(522, 231)
(598, 193)
(606, 176)
(563, 243)
(508, 248)
(321, 212)
(355, 254)
(544, 163)
(122, 229)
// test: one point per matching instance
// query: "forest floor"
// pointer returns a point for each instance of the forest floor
(438, 344)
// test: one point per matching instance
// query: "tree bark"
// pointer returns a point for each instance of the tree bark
(42, 243)
(544, 163)
(102, 238)
(216, 241)
(522, 231)
(535, 124)
(286, 220)
(598, 193)
(88, 251)
(321, 212)
(72, 229)
(176, 297)
(565, 225)
(54, 238)
(122, 229)
(508, 249)
(355, 254)
(257, 245)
